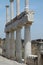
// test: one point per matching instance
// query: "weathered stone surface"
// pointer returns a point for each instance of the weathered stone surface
(4, 61)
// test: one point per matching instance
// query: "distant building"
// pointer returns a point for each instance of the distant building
(37, 49)
(35, 45)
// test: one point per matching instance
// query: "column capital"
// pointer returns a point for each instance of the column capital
(28, 24)
(11, 0)
(18, 28)
(7, 6)
(7, 32)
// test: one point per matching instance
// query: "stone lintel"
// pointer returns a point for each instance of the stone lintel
(23, 19)
(16, 18)
(19, 17)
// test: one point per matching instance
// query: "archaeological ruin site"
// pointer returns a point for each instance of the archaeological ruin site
(23, 51)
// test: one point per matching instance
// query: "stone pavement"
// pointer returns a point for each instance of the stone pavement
(4, 61)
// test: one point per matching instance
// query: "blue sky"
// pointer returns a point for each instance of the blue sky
(37, 26)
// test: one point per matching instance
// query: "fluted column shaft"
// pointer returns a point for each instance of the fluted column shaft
(12, 46)
(27, 41)
(26, 5)
(17, 7)
(11, 9)
(7, 45)
(7, 13)
(18, 45)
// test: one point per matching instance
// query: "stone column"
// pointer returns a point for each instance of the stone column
(11, 9)
(26, 5)
(7, 13)
(39, 59)
(7, 45)
(18, 45)
(17, 7)
(12, 45)
(27, 41)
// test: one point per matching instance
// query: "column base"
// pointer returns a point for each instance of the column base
(18, 60)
